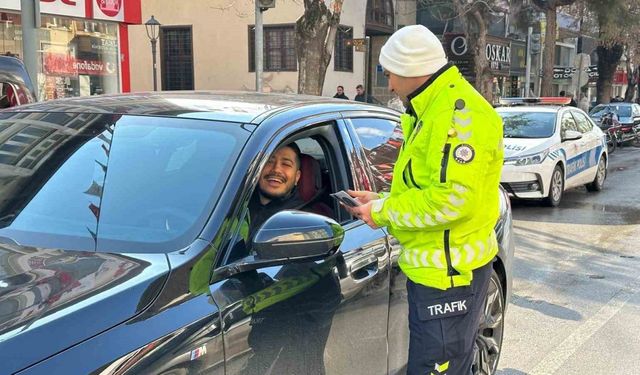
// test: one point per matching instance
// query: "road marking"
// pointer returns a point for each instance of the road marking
(554, 360)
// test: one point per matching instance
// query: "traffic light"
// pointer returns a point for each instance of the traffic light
(535, 43)
(264, 4)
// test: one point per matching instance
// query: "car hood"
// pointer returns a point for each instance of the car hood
(53, 299)
(515, 147)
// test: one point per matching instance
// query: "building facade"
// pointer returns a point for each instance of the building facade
(212, 47)
(83, 45)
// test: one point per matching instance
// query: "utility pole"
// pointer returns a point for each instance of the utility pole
(528, 69)
(30, 14)
(259, 43)
(367, 86)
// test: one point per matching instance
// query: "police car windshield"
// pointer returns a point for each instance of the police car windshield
(620, 110)
(528, 124)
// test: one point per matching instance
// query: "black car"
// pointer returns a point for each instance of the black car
(122, 240)
(16, 87)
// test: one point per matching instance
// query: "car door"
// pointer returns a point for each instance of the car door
(380, 139)
(322, 317)
(592, 145)
(573, 150)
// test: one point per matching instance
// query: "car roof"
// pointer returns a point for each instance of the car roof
(235, 106)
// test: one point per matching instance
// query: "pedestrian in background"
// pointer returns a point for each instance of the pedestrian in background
(340, 93)
(572, 102)
(444, 200)
(361, 96)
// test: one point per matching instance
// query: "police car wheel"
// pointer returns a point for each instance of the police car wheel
(488, 345)
(601, 174)
(556, 188)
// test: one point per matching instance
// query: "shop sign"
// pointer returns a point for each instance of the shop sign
(111, 10)
(620, 77)
(102, 45)
(497, 52)
(72, 8)
(65, 65)
(567, 72)
(457, 50)
(563, 72)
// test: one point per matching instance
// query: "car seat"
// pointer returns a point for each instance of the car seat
(310, 186)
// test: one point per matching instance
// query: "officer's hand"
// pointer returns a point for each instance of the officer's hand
(363, 196)
(362, 212)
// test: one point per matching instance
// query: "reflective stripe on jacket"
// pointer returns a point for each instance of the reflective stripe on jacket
(444, 199)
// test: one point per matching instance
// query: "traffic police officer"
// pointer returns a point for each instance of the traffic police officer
(444, 200)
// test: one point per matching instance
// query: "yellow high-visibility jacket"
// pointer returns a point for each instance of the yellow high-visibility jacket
(444, 199)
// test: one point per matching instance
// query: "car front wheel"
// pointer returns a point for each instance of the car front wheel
(488, 344)
(556, 188)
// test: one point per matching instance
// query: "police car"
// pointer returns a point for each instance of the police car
(549, 148)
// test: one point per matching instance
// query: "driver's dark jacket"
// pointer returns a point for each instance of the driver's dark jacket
(259, 213)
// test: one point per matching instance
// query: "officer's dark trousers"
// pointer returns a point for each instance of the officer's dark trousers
(443, 325)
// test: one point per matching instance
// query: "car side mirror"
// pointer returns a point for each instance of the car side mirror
(286, 237)
(571, 135)
(297, 235)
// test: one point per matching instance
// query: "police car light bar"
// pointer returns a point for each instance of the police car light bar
(548, 100)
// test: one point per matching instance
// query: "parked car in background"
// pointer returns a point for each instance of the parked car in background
(123, 247)
(16, 87)
(549, 148)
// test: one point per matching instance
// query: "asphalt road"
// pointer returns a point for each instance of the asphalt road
(576, 294)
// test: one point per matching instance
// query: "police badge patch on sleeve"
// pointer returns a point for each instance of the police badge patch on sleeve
(463, 153)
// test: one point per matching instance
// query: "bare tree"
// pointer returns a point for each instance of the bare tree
(632, 57)
(617, 22)
(315, 37)
(550, 9)
(475, 17)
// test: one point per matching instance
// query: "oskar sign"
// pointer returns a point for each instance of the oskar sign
(497, 51)
(498, 55)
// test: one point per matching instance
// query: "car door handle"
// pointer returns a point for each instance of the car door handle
(361, 267)
(364, 270)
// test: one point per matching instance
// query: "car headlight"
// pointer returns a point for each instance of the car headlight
(527, 159)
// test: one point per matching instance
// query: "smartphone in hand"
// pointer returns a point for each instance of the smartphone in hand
(344, 197)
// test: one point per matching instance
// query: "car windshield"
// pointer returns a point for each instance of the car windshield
(620, 110)
(112, 183)
(528, 124)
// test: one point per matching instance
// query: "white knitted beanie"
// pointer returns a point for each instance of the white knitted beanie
(413, 51)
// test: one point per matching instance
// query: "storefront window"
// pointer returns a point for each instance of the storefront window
(10, 35)
(79, 58)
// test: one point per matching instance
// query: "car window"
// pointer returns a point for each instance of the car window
(583, 123)
(117, 184)
(568, 123)
(636, 110)
(381, 140)
(620, 110)
(528, 124)
(312, 194)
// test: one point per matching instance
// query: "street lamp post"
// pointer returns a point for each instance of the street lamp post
(153, 27)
